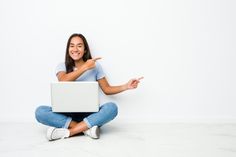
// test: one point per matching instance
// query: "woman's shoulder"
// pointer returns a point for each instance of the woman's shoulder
(98, 66)
(61, 64)
(99, 71)
(60, 67)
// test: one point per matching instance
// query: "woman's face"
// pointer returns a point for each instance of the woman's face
(76, 48)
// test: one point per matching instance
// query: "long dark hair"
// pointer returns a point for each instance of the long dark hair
(68, 60)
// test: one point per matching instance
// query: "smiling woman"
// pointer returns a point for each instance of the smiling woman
(77, 47)
(80, 66)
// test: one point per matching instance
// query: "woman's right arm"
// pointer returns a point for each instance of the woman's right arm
(72, 76)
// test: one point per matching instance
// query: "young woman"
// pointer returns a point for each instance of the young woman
(80, 66)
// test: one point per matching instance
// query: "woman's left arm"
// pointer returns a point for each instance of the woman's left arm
(109, 90)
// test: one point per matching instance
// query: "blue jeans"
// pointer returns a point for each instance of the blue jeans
(106, 113)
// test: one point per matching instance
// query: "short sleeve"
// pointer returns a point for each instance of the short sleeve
(60, 67)
(100, 72)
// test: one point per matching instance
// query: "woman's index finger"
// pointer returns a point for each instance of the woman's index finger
(97, 58)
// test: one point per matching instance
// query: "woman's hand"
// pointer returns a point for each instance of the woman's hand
(90, 63)
(133, 83)
(109, 90)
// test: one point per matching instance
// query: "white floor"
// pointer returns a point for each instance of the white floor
(123, 140)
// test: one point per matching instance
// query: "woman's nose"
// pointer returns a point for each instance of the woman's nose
(75, 49)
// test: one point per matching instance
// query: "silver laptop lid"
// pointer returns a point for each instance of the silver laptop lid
(74, 96)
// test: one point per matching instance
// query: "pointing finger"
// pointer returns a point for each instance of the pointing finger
(97, 58)
(140, 78)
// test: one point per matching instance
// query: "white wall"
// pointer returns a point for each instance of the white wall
(185, 50)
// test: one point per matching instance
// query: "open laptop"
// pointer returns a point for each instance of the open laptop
(74, 97)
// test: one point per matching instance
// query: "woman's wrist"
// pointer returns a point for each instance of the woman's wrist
(124, 87)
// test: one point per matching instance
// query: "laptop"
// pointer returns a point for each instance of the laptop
(74, 97)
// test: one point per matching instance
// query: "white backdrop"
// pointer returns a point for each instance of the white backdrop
(185, 50)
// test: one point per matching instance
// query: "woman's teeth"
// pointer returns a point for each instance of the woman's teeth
(75, 53)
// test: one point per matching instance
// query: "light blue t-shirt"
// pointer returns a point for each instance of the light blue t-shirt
(89, 75)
